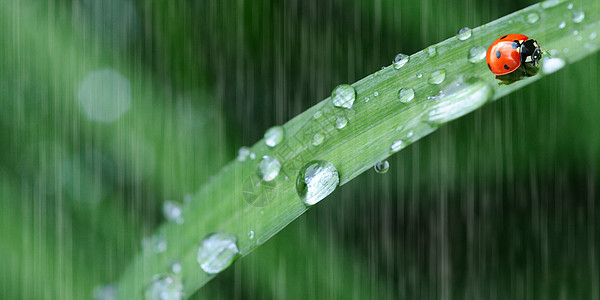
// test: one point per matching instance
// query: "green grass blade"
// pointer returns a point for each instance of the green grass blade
(223, 203)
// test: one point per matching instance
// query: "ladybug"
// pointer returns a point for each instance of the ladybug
(510, 51)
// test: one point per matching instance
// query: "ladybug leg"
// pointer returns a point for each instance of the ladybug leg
(524, 68)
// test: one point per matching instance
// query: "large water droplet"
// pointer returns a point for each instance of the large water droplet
(382, 167)
(343, 96)
(437, 77)
(217, 251)
(460, 98)
(341, 122)
(164, 287)
(432, 51)
(156, 243)
(172, 211)
(273, 136)
(476, 54)
(316, 180)
(464, 33)
(578, 16)
(533, 17)
(243, 153)
(397, 145)
(400, 60)
(562, 24)
(405, 95)
(552, 65)
(317, 139)
(105, 292)
(268, 168)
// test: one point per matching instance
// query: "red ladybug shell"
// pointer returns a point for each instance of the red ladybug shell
(503, 56)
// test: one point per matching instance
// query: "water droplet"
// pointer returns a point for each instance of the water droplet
(382, 167)
(552, 65)
(460, 98)
(405, 95)
(341, 122)
(243, 153)
(317, 114)
(176, 267)
(432, 51)
(397, 145)
(156, 243)
(316, 180)
(476, 54)
(375, 94)
(437, 77)
(419, 75)
(252, 155)
(400, 60)
(317, 139)
(550, 3)
(367, 99)
(274, 136)
(570, 6)
(251, 234)
(105, 292)
(217, 251)
(343, 96)
(410, 134)
(578, 16)
(164, 287)
(172, 211)
(533, 17)
(464, 33)
(562, 24)
(593, 35)
(105, 95)
(575, 32)
(268, 168)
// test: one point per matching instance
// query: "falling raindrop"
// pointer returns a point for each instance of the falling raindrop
(562, 24)
(217, 251)
(533, 17)
(552, 65)
(164, 287)
(274, 136)
(459, 98)
(437, 77)
(397, 145)
(432, 51)
(405, 95)
(476, 54)
(578, 16)
(172, 211)
(343, 96)
(341, 122)
(243, 153)
(400, 60)
(316, 180)
(268, 168)
(317, 139)
(382, 167)
(464, 33)
(156, 243)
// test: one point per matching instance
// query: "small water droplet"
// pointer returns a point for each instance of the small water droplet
(164, 287)
(105, 292)
(375, 94)
(432, 51)
(172, 211)
(316, 180)
(419, 75)
(476, 54)
(341, 122)
(317, 114)
(251, 234)
(243, 153)
(533, 17)
(397, 145)
(317, 139)
(550, 3)
(570, 6)
(562, 24)
(217, 251)
(575, 32)
(343, 96)
(400, 60)
(437, 77)
(552, 65)
(156, 243)
(405, 95)
(382, 167)
(578, 16)
(383, 68)
(593, 35)
(460, 98)
(176, 267)
(268, 168)
(367, 99)
(274, 136)
(410, 134)
(464, 33)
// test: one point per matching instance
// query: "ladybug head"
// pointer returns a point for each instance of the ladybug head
(531, 52)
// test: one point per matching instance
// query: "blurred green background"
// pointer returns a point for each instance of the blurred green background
(108, 108)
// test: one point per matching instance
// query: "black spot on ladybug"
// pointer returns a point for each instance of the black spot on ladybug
(503, 37)
(498, 54)
(515, 44)
(506, 67)
(490, 67)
